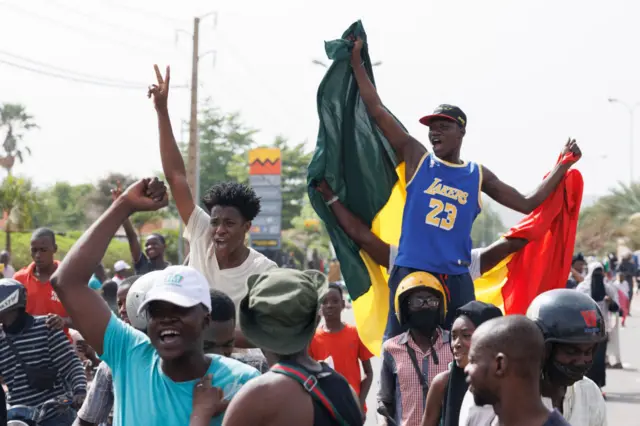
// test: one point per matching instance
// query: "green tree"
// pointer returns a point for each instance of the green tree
(101, 197)
(140, 219)
(308, 231)
(487, 227)
(295, 160)
(64, 207)
(224, 145)
(17, 201)
(611, 217)
(171, 210)
(15, 122)
(224, 140)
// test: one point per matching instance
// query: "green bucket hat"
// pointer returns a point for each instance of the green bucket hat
(280, 311)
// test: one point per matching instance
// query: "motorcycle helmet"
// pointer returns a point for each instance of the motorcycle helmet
(136, 297)
(418, 280)
(13, 295)
(567, 316)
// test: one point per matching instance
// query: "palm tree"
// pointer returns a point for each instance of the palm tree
(613, 216)
(17, 202)
(15, 121)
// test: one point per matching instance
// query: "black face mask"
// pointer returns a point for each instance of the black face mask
(424, 320)
(566, 374)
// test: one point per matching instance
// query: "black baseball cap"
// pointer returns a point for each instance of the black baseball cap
(448, 112)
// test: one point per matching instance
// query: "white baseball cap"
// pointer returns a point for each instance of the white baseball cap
(121, 265)
(180, 285)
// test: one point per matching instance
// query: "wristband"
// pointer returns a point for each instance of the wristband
(332, 200)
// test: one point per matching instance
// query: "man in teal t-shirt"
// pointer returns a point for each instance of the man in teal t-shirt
(154, 377)
(144, 394)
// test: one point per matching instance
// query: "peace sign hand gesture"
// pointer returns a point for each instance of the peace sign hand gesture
(160, 91)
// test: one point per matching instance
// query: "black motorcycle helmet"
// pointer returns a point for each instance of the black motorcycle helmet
(13, 295)
(567, 316)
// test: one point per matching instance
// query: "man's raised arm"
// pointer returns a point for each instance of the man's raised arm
(406, 147)
(512, 198)
(172, 162)
(88, 311)
(354, 227)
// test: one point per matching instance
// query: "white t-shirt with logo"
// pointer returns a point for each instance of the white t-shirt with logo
(202, 256)
(474, 267)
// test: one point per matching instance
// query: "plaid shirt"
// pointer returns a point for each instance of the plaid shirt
(98, 404)
(400, 386)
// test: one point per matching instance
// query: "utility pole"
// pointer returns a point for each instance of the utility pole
(183, 249)
(194, 147)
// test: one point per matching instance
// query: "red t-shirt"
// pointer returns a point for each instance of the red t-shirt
(345, 349)
(41, 299)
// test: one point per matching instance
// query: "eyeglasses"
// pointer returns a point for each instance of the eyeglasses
(420, 302)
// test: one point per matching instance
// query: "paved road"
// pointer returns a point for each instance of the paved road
(623, 386)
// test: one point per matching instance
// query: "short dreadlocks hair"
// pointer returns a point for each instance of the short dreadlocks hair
(233, 194)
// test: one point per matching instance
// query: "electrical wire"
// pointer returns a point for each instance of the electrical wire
(146, 13)
(71, 78)
(68, 71)
(274, 95)
(81, 30)
(129, 30)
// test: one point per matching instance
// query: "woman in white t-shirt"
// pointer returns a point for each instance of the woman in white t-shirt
(216, 236)
(217, 241)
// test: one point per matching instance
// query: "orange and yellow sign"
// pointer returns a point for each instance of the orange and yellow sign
(264, 161)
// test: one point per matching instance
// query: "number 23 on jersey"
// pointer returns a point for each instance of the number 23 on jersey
(442, 215)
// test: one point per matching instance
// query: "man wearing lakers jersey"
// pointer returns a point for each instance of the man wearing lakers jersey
(443, 195)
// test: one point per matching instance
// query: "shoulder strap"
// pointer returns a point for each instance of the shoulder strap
(414, 361)
(29, 323)
(310, 383)
(14, 350)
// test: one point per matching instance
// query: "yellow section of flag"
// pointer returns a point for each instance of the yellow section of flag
(372, 308)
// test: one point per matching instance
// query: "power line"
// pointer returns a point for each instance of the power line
(71, 78)
(68, 71)
(147, 13)
(85, 31)
(107, 23)
(274, 94)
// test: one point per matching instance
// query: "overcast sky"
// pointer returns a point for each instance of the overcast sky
(528, 74)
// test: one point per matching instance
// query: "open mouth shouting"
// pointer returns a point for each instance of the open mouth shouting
(221, 242)
(436, 143)
(170, 337)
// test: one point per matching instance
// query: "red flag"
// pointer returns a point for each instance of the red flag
(545, 262)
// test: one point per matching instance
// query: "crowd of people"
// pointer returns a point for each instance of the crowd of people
(231, 339)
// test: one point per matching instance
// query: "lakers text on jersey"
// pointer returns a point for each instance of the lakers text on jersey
(443, 200)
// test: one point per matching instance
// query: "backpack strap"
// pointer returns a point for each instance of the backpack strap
(310, 384)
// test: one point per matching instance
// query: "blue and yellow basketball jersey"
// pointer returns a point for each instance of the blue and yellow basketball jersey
(443, 200)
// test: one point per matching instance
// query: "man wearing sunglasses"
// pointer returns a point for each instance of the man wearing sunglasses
(412, 359)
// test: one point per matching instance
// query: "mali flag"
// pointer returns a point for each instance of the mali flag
(360, 166)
